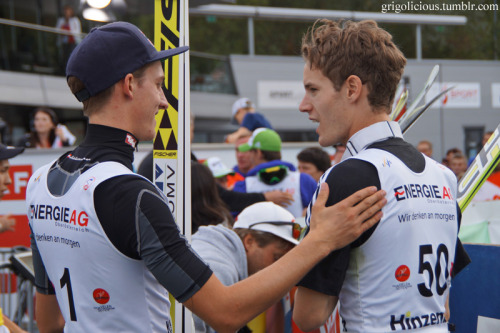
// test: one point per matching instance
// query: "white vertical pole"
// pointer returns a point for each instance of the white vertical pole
(419, 42)
(251, 38)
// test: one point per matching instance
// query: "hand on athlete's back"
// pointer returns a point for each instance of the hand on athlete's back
(281, 198)
(342, 223)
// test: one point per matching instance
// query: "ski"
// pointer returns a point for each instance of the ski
(171, 146)
(479, 170)
(400, 90)
(412, 116)
(430, 80)
(482, 166)
(399, 110)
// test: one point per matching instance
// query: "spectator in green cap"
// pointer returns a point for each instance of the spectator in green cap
(269, 172)
(219, 170)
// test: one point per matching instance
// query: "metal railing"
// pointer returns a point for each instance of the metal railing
(33, 48)
(16, 291)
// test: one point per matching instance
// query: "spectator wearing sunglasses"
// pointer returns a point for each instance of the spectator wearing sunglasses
(262, 233)
(269, 172)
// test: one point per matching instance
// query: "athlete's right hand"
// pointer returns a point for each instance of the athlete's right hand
(342, 223)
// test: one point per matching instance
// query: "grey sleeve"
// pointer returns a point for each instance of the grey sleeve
(137, 220)
(42, 282)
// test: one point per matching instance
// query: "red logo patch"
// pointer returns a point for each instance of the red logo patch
(101, 296)
(130, 140)
(402, 273)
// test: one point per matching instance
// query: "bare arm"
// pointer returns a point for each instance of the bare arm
(281, 198)
(13, 328)
(66, 137)
(233, 137)
(226, 309)
(447, 313)
(48, 315)
(312, 308)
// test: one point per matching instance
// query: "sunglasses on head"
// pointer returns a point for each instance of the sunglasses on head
(296, 227)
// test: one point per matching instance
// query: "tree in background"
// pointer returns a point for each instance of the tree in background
(474, 41)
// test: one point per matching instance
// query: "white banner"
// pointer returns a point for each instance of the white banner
(488, 325)
(280, 94)
(465, 95)
(495, 95)
(482, 214)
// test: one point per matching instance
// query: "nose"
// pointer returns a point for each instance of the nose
(163, 99)
(6, 179)
(305, 105)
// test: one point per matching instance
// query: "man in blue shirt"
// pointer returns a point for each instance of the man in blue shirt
(243, 114)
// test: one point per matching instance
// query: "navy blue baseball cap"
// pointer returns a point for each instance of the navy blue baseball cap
(7, 152)
(108, 53)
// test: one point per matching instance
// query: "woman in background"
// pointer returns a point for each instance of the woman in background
(47, 132)
(207, 208)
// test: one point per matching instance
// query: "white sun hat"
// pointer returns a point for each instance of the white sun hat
(269, 217)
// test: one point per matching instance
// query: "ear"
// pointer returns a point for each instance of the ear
(248, 242)
(259, 157)
(127, 85)
(354, 86)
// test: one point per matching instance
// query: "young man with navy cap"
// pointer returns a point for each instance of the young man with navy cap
(105, 246)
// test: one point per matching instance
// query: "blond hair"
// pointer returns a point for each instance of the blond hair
(344, 48)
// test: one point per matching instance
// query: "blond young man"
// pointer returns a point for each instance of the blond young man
(396, 275)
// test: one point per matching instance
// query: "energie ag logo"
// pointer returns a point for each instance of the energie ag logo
(412, 191)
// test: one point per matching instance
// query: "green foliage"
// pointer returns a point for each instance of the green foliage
(226, 36)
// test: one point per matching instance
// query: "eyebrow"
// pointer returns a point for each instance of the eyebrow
(309, 85)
